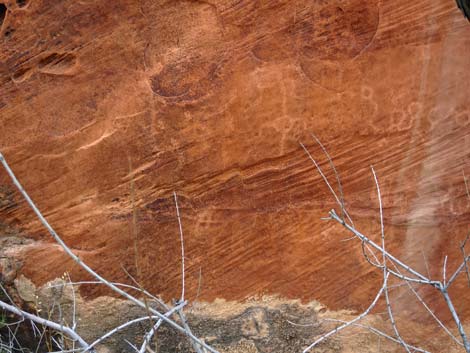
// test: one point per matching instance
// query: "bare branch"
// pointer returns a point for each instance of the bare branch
(439, 322)
(444, 271)
(182, 246)
(368, 244)
(196, 347)
(421, 278)
(349, 323)
(465, 259)
(458, 271)
(380, 333)
(117, 284)
(46, 323)
(130, 323)
(325, 179)
(74, 303)
(151, 333)
(338, 179)
(132, 346)
(89, 269)
(385, 269)
(465, 341)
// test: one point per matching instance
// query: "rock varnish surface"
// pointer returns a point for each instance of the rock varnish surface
(105, 102)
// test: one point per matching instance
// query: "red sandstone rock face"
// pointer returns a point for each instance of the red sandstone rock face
(210, 99)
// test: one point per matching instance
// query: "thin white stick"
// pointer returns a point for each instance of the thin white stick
(444, 271)
(421, 278)
(456, 318)
(44, 322)
(117, 284)
(441, 288)
(379, 333)
(325, 179)
(315, 324)
(338, 179)
(349, 323)
(129, 323)
(462, 249)
(439, 322)
(151, 333)
(74, 307)
(457, 272)
(12, 336)
(385, 270)
(117, 329)
(339, 200)
(60, 345)
(182, 247)
(132, 345)
(71, 350)
(196, 347)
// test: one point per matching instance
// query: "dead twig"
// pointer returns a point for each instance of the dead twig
(385, 269)
(44, 322)
(352, 322)
(90, 271)
(392, 265)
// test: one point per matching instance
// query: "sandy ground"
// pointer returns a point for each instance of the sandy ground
(256, 325)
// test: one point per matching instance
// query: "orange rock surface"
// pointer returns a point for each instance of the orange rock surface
(107, 107)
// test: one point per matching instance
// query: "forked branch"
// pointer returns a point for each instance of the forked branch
(391, 265)
(92, 272)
